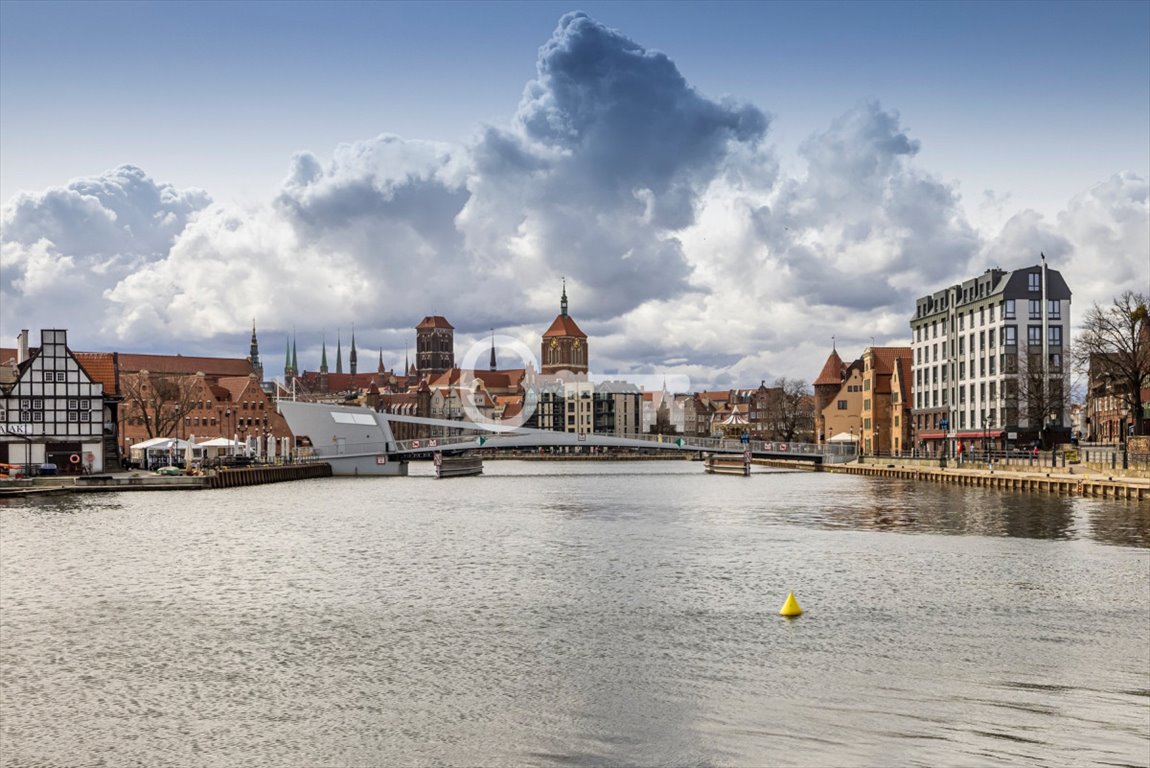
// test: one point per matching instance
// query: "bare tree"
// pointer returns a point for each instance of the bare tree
(793, 409)
(1115, 340)
(159, 401)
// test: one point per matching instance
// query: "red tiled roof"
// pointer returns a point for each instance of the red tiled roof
(832, 372)
(435, 321)
(564, 325)
(884, 357)
(209, 366)
(101, 367)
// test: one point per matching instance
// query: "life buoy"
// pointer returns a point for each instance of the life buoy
(74, 458)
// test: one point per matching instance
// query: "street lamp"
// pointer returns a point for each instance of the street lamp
(877, 441)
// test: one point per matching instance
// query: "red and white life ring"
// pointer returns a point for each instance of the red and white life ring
(74, 458)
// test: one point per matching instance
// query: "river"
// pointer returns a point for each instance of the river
(575, 614)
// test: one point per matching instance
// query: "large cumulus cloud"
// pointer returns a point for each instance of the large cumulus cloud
(685, 248)
(59, 248)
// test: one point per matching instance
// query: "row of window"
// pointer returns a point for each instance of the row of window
(37, 417)
(37, 404)
(1034, 312)
(986, 339)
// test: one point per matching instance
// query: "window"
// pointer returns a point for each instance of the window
(73, 416)
(72, 405)
(61, 376)
(993, 360)
(1010, 335)
(1034, 281)
(962, 370)
(37, 415)
(992, 313)
(1008, 309)
(842, 405)
(934, 353)
(982, 315)
(1035, 309)
(990, 338)
(25, 405)
(866, 404)
(1034, 335)
(1054, 310)
(49, 376)
(85, 415)
(1054, 335)
(934, 329)
(37, 404)
(993, 388)
(1056, 361)
(962, 345)
(961, 318)
(981, 341)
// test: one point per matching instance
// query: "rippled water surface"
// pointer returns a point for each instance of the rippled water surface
(575, 614)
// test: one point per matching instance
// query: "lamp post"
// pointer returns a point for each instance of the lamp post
(877, 441)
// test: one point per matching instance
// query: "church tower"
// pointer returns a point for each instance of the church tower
(434, 345)
(351, 357)
(564, 345)
(254, 354)
(827, 386)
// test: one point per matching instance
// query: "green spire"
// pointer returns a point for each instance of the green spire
(563, 303)
(294, 357)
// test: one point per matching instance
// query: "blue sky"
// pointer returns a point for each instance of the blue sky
(1009, 112)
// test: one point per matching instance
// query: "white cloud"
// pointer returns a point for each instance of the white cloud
(685, 248)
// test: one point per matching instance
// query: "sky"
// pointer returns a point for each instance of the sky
(725, 187)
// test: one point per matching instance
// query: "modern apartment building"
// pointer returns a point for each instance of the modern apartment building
(991, 362)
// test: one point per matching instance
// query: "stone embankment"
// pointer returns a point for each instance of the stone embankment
(1065, 481)
(140, 481)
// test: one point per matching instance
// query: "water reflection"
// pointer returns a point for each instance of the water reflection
(909, 507)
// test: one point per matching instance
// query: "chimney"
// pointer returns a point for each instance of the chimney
(22, 347)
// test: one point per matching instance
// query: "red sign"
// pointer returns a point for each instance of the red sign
(381, 459)
(414, 443)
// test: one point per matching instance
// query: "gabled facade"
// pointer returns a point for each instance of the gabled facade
(52, 412)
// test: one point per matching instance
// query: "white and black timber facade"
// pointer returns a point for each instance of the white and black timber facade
(53, 411)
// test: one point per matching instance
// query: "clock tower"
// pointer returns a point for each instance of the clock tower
(564, 345)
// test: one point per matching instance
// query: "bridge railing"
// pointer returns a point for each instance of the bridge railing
(433, 443)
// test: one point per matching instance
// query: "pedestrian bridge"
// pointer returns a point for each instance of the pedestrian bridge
(494, 436)
(358, 441)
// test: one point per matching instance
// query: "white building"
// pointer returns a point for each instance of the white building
(51, 412)
(991, 361)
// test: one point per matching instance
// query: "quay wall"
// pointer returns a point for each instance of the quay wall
(1041, 480)
(234, 478)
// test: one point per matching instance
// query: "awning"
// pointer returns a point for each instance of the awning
(938, 435)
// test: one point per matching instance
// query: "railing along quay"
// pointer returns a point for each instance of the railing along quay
(1067, 485)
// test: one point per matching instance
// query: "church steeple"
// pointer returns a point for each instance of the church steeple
(351, 356)
(254, 353)
(563, 302)
(494, 366)
(338, 353)
(323, 356)
(294, 356)
(381, 369)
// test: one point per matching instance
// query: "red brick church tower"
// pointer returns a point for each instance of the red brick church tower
(564, 345)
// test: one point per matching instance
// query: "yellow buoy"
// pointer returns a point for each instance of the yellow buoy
(791, 607)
